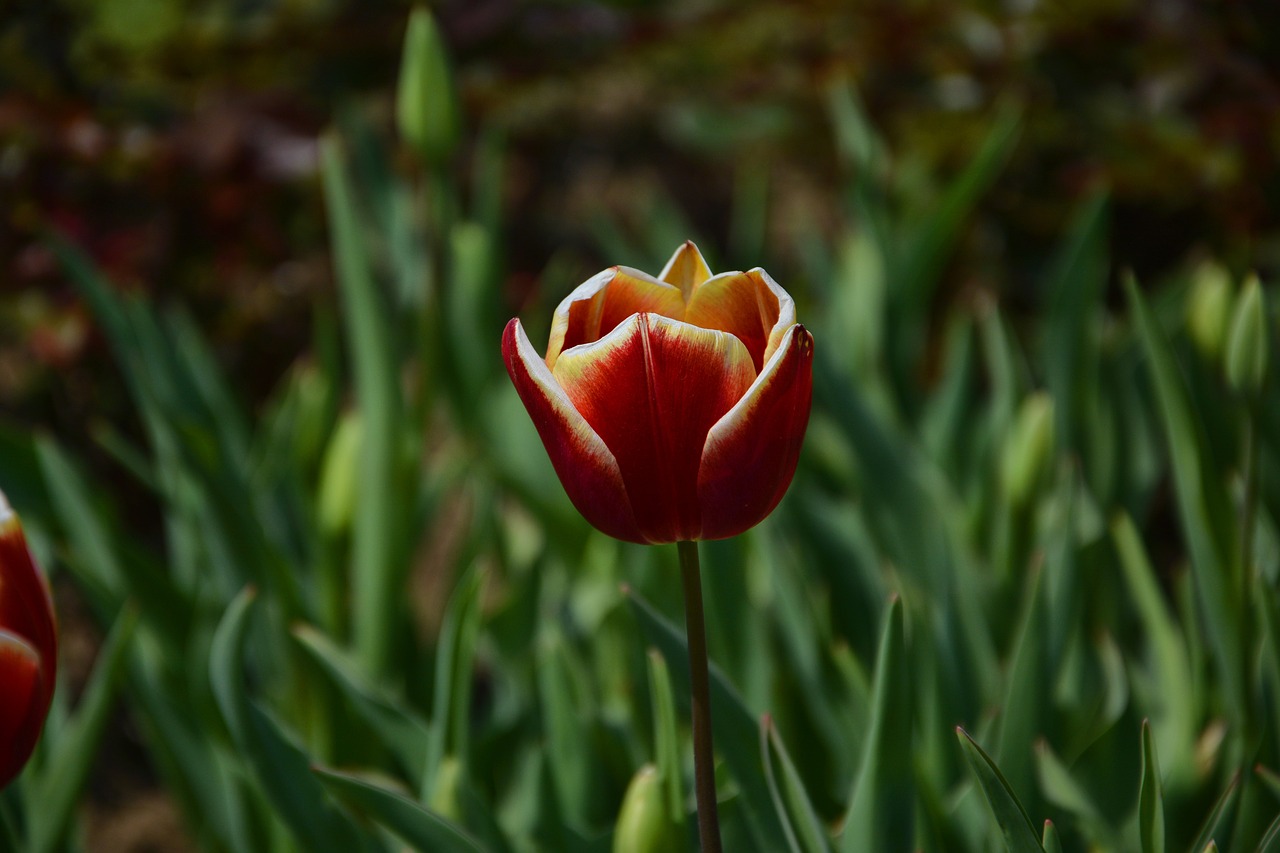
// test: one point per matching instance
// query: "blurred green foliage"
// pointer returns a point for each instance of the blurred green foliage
(354, 605)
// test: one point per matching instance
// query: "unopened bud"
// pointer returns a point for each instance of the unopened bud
(1246, 361)
(1209, 309)
(426, 107)
(338, 476)
(444, 795)
(1029, 448)
(644, 824)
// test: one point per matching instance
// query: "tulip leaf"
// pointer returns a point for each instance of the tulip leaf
(451, 705)
(1174, 699)
(1075, 286)
(55, 792)
(1201, 504)
(411, 822)
(281, 768)
(733, 726)
(1150, 797)
(791, 802)
(666, 737)
(378, 524)
(1015, 826)
(881, 813)
(1219, 818)
(398, 726)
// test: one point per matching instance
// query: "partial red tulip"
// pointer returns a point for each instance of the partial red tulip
(673, 408)
(28, 647)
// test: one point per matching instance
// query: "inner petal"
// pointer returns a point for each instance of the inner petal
(596, 309)
(746, 304)
(652, 389)
(686, 270)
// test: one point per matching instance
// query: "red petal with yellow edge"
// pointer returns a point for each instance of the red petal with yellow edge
(584, 463)
(749, 305)
(598, 305)
(652, 389)
(23, 708)
(751, 453)
(686, 270)
(26, 609)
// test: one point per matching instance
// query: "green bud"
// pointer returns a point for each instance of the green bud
(338, 476)
(644, 825)
(426, 107)
(444, 794)
(1246, 360)
(1029, 448)
(1209, 309)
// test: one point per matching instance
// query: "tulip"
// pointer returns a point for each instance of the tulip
(672, 408)
(28, 647)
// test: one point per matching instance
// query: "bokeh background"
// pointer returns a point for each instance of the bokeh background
(176, 143)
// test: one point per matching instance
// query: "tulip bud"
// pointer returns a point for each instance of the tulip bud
(1029, 448)
(1246, 360)
(426, 109)
(338, 476)
(1209, 309)
(644, 825)
(444, 794)
(28, 647)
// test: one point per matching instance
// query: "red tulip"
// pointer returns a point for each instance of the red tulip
(28, 647)
(672, 408)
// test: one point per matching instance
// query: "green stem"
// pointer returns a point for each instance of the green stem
(704, 769)
(1246, 580)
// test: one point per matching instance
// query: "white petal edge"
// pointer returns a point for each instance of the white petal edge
(585, 291)
(729, 420)
(541, 376)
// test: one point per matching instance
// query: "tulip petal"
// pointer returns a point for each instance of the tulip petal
(26, 608)
(750, 305)
(751, 452)
(599, 304)
(23, 707)
(651, 389)
(686, 270)
(586, 466)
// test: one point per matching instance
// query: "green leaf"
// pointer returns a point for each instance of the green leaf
(1150, 797)
(1202, 506)
(733, 726)
(398, 726)
(282, 769)
(1015, 826)
(1173, 700)
(1219, 819)
(411, 822)
(881, 813)
(451, 701)
(376, 568)
(795, 812)
(55, 792)
(666, 737)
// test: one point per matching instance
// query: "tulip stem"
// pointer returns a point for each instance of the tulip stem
(704, 767)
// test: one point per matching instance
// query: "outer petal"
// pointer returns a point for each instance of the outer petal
(599, 304)
(652, 388)
(751, 453)
(26, 610)
(750, 305)
(584, 463)
(686, 270)
(23, 709)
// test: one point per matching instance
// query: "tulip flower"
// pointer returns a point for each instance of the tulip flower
(28, 647)
(672, 408)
